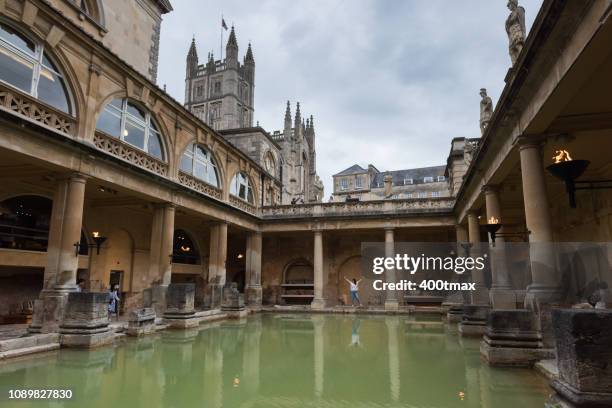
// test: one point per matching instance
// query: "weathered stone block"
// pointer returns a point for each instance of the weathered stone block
(253, 296)
(455, 313)
(584, 358)
(511, 338)
(474, 320)
(212, 296)
(180, 300)
(232, 298)
(85, 322)
(141, 322)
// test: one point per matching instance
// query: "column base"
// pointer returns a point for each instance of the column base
(454, 314)
(253, 296)
(317, 304)
(48, 311)
(158, 299)
(141, 322)
(502, 298)
(511, 338)
(212, 296)
(391, 305)
(566, 396)
(474, 320)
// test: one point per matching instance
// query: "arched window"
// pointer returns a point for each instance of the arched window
(184, 250)
(199, 162)
(26, 65)
(241, 187)
(270, 164)
(126, 121)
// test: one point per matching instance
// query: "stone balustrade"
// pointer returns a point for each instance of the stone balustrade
(130, 153)
(33, 110)
(198, 185)
(242, 205)
(364, 208)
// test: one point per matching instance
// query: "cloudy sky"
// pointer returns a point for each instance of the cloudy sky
(389, 82)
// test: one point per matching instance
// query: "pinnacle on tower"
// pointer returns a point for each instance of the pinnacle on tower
(288, 118)
(311, 122)
(249, 56)
(231, 41)
(192, 59)
(298, 115)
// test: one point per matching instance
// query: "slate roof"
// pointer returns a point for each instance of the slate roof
(417, 175)
(354, 169)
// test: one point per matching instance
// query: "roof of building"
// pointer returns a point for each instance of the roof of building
(354, 169)
(165, 6)
(417, 175)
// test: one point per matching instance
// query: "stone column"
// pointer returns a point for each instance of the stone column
(319, 279)
(391, 301)
(253, 269)
(501, 295)
(544, 278)
(160, 255)
(62, 258)
(216, 265)
(480, 296)
(461, 233)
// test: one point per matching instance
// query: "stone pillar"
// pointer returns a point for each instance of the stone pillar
(392, 324)
(160, 255)
(480, 296)
(62, 258)
(501, 295)
(461, 233)
(253, 270)
(583, 357)
(544, 279)
(216, 266)
(391, 301)
(180, 300)
(319, 279)
(85, 322)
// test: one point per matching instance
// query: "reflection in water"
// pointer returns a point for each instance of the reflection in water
(284, 361)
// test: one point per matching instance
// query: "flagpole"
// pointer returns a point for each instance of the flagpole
(221, 44)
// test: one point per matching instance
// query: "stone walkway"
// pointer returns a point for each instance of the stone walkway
(11, 331)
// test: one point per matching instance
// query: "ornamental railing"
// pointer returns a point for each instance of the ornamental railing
(360, 208)
(198, 185)
(130, 153)
(31, 109)
(242, 205)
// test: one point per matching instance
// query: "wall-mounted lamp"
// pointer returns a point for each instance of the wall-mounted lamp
(98, 239)
(568, 170)
(493, 226)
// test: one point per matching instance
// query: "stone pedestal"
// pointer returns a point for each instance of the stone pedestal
(391, 305)
(584, 358)
(254, 296)
(511, 338)
(212, 296)
(85, 322)
(141, 322)
(455, 313)
(157, 299)
(474, 320)
(180, 312)
(233, 301)
(317, 304)
(48, 311)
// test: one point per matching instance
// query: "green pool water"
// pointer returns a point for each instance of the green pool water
(282, 361)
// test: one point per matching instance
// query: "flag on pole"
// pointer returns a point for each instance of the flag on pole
(223, 23)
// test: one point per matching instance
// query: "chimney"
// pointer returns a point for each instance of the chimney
(388, 185)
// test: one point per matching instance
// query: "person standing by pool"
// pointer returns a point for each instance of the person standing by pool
(354, 284)
(113, 302)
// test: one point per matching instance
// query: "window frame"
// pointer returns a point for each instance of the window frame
(247, 184)
(428, 179)
(38, 65)
(441, 178)
(358, 183)
(408, 181)
(192, 150)
(422, 194)
(149, 124)
(344, 184)
(435, 194)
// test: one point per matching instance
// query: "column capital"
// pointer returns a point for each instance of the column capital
(491, 188)
(164, 205)
(76, 177)
(530, 141)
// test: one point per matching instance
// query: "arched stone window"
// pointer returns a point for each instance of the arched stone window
(241, 187)
(198, 161)
(184, 250)
(127, 121)
(270, 163)
(26, 65)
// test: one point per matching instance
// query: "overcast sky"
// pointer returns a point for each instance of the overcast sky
(389, 82)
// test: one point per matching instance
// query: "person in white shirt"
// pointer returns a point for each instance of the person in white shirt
(354, 291)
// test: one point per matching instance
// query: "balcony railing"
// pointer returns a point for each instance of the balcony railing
(198, 185)
(35, 111)
(360, 208)
(242, 205)
(130, 153)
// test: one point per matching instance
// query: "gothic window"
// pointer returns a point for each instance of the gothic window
(26, 65)
(126, 121)
(270, 164)
(241, 187)
(198, 161)
(215, 110)
(217, 88)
